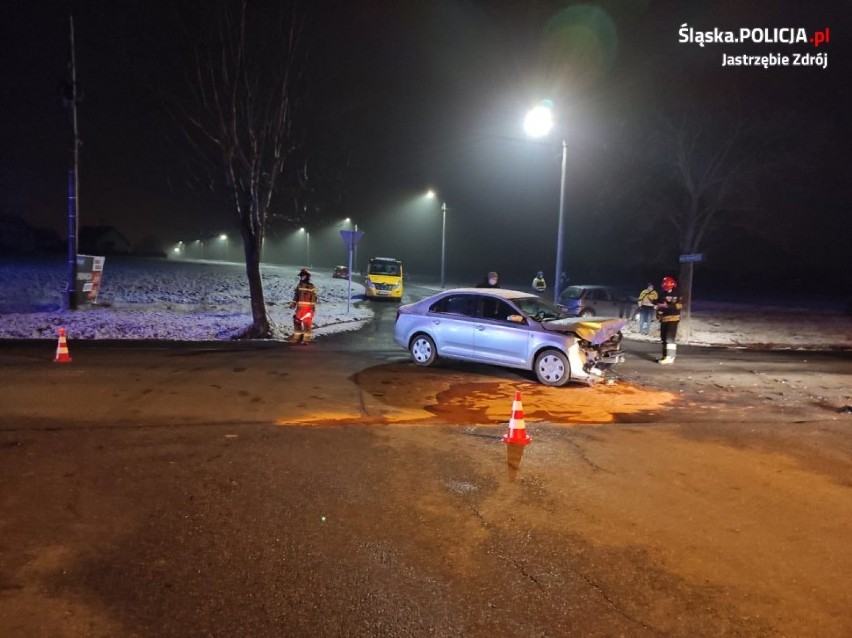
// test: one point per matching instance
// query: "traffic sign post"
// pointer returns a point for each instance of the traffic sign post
(350, 239)
(691, 259)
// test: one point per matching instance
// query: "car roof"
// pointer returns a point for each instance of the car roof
(504, 293)
(586, 287)
(589, 286)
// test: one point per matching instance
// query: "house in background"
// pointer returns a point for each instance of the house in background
(17, 237)
(102, 240)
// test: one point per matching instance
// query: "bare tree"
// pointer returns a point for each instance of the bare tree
(244, 87)
(705, 183)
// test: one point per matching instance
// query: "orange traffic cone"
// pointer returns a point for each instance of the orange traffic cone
(62, 355)
(517, 434)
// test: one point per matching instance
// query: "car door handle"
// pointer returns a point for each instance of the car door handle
(480, 327)
(436, 322)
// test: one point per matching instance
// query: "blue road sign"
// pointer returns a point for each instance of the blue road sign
(351, 237)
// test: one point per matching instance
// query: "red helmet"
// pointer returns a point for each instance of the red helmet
(668, 284)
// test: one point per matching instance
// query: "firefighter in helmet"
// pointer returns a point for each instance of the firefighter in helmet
(538, 282)
(668, 312)
(305, 303)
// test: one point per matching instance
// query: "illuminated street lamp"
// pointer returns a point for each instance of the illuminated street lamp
(538, 123)
(307, 246)
(431, 195)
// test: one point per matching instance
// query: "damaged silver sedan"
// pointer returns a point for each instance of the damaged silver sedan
(509, 328)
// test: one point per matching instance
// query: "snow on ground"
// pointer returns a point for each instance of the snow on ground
(169, 300)
(202, 301)
(765, 326)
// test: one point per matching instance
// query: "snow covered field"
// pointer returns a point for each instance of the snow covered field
(169, 300)
(201, 301)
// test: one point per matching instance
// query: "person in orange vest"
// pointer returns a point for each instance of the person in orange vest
(668, 312)
(305, 303)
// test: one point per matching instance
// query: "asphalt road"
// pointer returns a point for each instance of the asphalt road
(336, 490)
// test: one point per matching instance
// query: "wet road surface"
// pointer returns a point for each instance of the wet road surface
(337, 490)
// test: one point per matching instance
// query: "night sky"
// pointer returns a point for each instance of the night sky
(408, 95)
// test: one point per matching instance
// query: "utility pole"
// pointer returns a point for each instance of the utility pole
(560, 232)
(354, 255)
(73, 179)
(443, 241)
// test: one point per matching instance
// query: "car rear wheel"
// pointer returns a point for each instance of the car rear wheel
(423, 351)
(552, 368)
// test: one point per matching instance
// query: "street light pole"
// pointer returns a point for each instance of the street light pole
(73, 181)
(307, 246)
(561, 226)
(538, 123)
(443, 240)
(355, 252)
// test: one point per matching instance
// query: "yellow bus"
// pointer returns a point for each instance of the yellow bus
(384, 278)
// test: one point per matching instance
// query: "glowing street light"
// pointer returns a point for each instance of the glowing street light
(431, 195)
(538, 123)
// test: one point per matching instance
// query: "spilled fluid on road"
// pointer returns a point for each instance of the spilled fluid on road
(403, 394)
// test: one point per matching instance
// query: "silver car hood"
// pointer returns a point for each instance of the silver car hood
(595, 331)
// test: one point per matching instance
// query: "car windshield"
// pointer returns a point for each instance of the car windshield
(384, 268)
(539, 309)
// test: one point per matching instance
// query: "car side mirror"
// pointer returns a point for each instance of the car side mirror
(515, 318)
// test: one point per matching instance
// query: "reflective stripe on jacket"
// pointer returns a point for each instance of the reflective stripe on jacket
(671, 310)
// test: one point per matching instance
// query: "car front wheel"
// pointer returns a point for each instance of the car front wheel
(423, 351)
(552, 368)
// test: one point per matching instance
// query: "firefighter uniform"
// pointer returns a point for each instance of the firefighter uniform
(668, 312)
(305, 304)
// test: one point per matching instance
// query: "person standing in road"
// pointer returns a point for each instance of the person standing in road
(538, 282)
(647, 300)
(668, 312)
(492, 280)
(305, 303)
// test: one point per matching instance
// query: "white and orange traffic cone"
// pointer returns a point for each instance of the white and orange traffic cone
(517, 434)
(62, 354)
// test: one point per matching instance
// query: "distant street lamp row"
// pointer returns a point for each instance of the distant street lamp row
(181, 246)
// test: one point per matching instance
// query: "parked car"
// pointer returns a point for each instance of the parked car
(341, 272)
(596, 301)
(509, 328)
